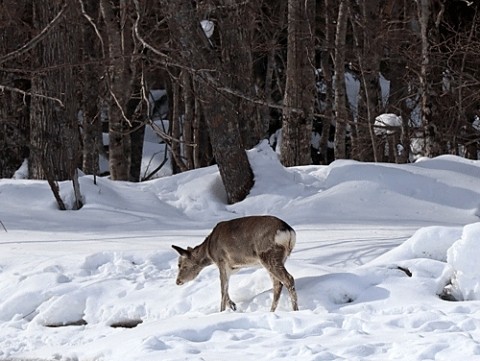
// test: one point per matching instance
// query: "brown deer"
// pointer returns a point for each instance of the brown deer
(239, 243)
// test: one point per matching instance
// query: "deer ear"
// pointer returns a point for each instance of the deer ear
(180, 250)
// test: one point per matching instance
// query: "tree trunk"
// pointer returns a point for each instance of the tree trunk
(91, 122)
(202, 153)
(120, 76)
(326, 57)
(396, 70)
(300, 84)
(221, 118)
(341, 114)
(175, 125)
(15, 16)
(236, 31)
(367, 29)
(54, 136)
(136, 115)
(423, 8)
(189, 119)
(54, 139)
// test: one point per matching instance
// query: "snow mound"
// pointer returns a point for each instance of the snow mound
(456, 248)
(386, 123)
(464, 257)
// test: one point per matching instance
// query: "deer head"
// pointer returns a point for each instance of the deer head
(190, 263)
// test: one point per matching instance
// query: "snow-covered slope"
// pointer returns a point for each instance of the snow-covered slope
(376, 245)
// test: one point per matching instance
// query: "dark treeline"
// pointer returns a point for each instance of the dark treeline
(235, 72)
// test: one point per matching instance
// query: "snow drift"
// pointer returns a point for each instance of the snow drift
(378, 245)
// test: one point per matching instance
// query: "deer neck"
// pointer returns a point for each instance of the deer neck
(202, 255)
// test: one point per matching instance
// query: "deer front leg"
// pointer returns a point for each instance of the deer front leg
(224, 278)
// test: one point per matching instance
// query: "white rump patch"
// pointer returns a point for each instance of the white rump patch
(286, 239)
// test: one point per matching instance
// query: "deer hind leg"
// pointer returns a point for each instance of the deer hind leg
(277, 289)
(273, 261)
(224, 278)
(287, 280)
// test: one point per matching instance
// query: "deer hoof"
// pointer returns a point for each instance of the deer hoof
(232, 305)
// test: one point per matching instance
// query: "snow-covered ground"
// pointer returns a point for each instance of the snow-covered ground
(376, 246)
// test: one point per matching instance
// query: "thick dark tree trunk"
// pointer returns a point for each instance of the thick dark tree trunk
(54, 135)
(54, 138)
(236, 32)
(223, 123)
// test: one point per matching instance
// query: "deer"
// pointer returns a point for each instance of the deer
(238, 243)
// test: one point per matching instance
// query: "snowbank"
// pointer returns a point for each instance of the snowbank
(377, 247)
(464, 256)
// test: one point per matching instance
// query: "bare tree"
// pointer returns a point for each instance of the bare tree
(367, 31)
(235, 30)
(454, 52)
(399, 67)
(90, 77)
(223, 124)
(268, 68)
(121, 73)
(300, 84)
(326, 64)
(54, 135)
(15, 27)
(424, 13)
(341, 113)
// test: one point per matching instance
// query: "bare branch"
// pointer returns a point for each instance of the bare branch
(124, 116)
(25, 93)
(166, 137)
(92, 23)
(263, 102)
(140, 38)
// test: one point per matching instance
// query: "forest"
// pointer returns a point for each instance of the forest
(373, 81)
